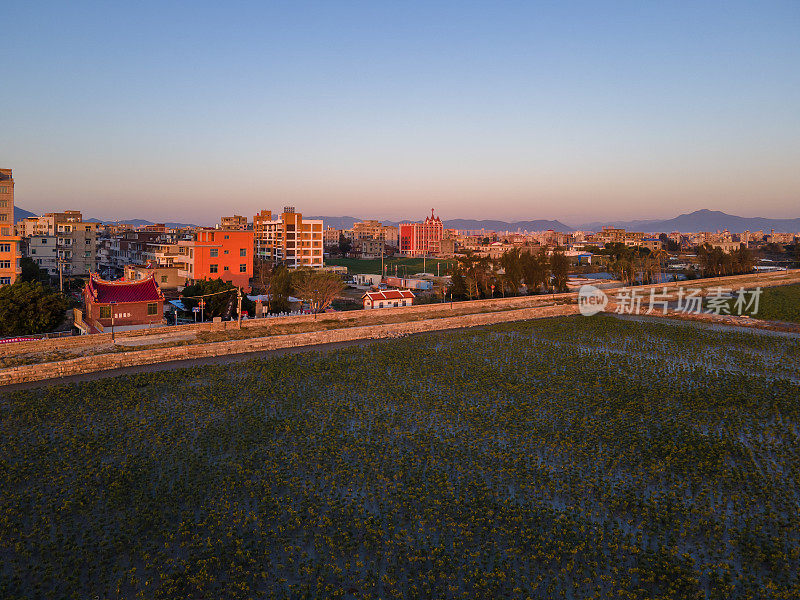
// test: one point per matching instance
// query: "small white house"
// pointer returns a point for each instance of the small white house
(367, 279)
(387, 299)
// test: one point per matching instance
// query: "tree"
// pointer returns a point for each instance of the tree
(262, 275)
(216, 304)
(318, 288)
(559, 267)
(458, 288)
(511, 261)
(280, 290)
(30, 307)
(535, 270)
(31, 271)
(345, 245)
(669, 244)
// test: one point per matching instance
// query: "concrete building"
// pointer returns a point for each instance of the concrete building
(330, 236)
(217, 254)
(75, 241)
(234, 222)
(375, 230)
(422, 239)
(166, 277)
(387, 299)
(10, 252)
(288, 239)
(42, 250)
(369, 248)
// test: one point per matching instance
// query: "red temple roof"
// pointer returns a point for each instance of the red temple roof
(105, 292)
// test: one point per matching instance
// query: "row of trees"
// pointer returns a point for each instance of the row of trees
(318, 288)
(482, 277)
(714, 262)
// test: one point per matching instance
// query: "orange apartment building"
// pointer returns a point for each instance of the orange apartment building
(9, 243)
(217, 254)
(289, 239)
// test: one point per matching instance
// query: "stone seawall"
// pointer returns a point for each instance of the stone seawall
(104, 362)
(429, 310)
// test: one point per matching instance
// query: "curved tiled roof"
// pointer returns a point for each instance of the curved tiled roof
(105, 292)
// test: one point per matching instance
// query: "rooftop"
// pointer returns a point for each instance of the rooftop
(106, 292)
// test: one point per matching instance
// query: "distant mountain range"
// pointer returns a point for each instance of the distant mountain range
(21, 213)
(139, 222)
(702, 220)
(699, 220)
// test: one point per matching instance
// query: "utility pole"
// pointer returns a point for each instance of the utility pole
(239, 309)
(113, 310)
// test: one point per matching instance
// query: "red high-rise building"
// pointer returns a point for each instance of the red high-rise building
(422, 239)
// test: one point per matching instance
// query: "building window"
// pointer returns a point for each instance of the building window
(7, 248)
(5, 264)
(3, 203)
(5, 280)
(152, 308)
(227, 268)
(213, 269)
(214, 252)
(163, 279)
(242, 268)
(105, 312)
(227, 237)
(242, 251)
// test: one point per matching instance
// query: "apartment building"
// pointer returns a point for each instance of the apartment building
(422, 239)
(375, 230)
(616, 235)
(217, 254)
(330, 236)
(167, 278)
(42, 250)
(234, 222)
(288, 239)
(132, 247)
(75, 242)
(9, 243)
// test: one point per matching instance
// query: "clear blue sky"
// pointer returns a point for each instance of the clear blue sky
(570, 110)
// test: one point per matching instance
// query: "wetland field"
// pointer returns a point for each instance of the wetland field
(558, 458)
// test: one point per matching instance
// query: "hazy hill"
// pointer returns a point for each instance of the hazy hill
(21, 213)
(703, 220)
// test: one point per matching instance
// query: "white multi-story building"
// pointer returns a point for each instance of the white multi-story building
(289, 239)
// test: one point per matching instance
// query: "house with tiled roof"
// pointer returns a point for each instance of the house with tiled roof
(387, 299)
(122, 305)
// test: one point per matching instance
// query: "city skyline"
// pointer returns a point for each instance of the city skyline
(574, 112)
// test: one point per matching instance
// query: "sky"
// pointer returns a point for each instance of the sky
(578, 111)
